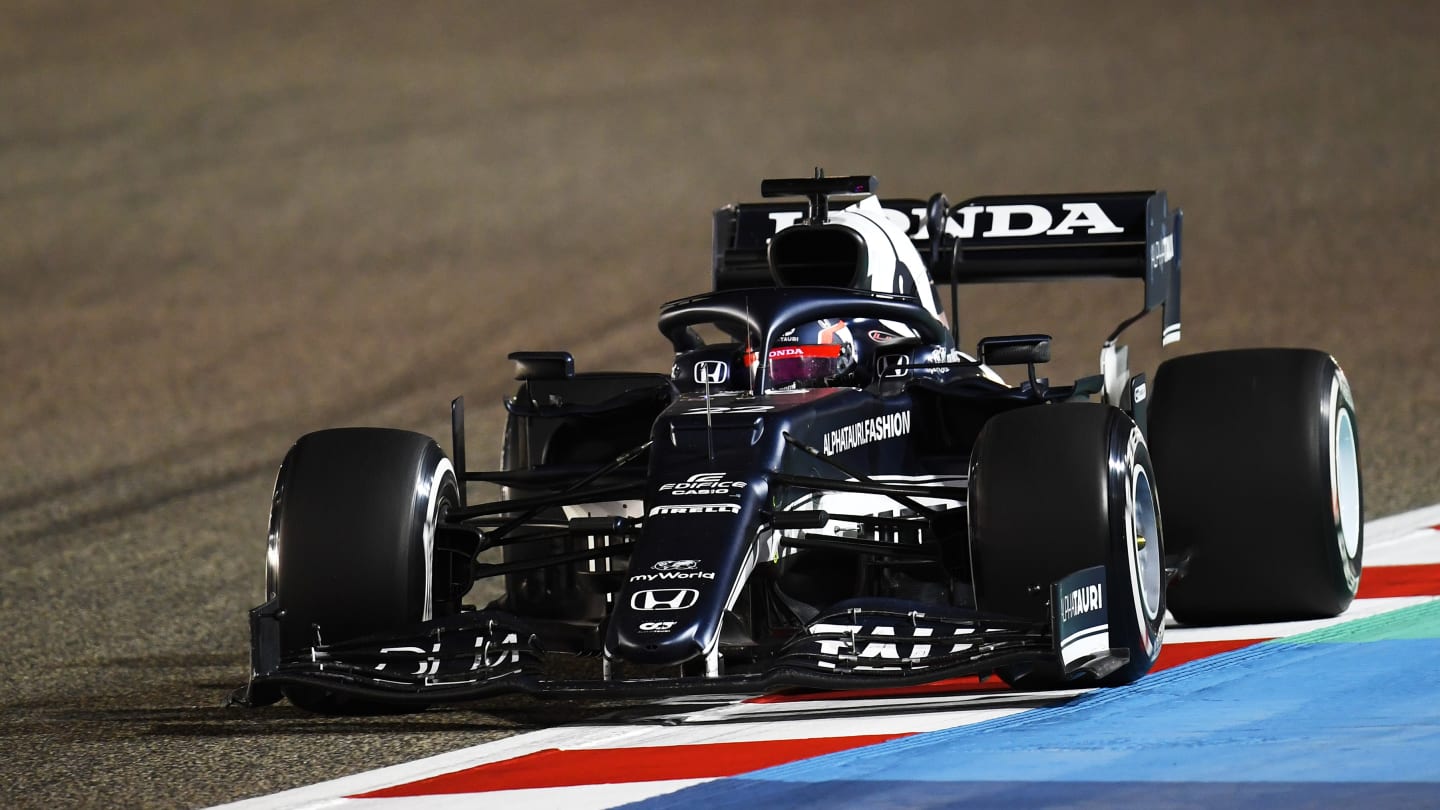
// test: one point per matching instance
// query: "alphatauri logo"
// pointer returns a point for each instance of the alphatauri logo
(837, 642)
(866, 431)
(1081, 600)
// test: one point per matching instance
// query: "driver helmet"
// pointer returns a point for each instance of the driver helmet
(812, 355)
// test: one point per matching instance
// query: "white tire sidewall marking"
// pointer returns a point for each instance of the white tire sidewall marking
(1133, 473)
(432, 518)
(1344, 474)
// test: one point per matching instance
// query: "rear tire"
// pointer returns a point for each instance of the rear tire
(1257, 453)
(352, 532)
(1055, 489)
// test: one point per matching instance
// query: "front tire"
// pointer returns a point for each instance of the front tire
(1258, 455)
(352, 539)
(1055, 489)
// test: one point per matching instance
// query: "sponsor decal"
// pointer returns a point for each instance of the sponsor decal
(665, 599)
(1033, 220)
(866, 431)
(1083, 622)
(712, 372)
(488, 655)
(893, 366)
(665, 575)
(676, 565)
(704, 484)
(1081, 600)
(1162, 251)
(1021, 219)
(695, 509)
(730, 409)
(656, 627)
(739, 403)
(879, 652)
(883, 337)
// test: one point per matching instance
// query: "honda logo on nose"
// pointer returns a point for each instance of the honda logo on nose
(664, 599)
(712, 372)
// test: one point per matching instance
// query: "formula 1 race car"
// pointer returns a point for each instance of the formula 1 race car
(825, 492)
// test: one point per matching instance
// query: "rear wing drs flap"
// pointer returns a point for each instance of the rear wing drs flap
(1041, 237)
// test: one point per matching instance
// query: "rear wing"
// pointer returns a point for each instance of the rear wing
(1041, 237)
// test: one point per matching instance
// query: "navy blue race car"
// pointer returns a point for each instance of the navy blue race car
(825, 491)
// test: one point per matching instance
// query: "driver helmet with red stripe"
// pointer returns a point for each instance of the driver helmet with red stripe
(815, 354)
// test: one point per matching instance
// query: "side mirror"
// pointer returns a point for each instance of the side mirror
(1014, 350)
(543, 365)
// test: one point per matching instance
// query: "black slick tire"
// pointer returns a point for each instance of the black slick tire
(1257, 456)
(1055, 489)
(352, 533)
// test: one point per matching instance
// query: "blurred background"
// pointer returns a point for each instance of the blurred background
(225, 224)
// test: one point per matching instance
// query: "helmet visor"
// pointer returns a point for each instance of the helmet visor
(804, 364)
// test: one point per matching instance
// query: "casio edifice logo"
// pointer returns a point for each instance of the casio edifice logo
(703, 484)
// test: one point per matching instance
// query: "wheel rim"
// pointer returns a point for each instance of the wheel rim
(1345, 483)
(1145, 542)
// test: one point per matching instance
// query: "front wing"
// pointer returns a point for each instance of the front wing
(875, 644)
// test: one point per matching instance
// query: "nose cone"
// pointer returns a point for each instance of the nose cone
(697, 543)
(662, 617)
(655, 641)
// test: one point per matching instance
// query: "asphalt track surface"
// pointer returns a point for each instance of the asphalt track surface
(224, 225)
